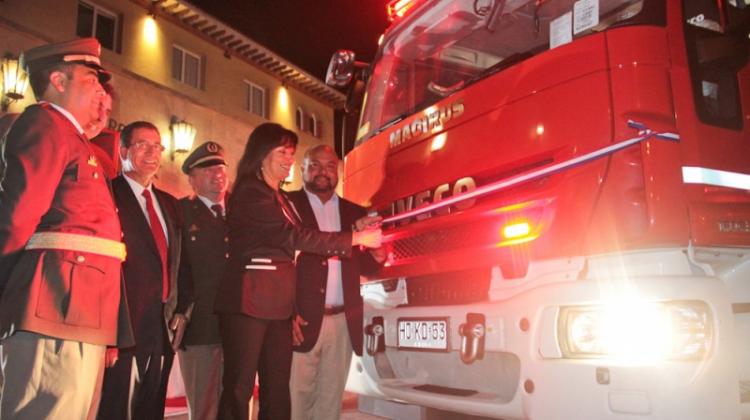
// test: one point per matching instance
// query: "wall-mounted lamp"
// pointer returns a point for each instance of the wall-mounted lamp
(15, 81)
(183, 135)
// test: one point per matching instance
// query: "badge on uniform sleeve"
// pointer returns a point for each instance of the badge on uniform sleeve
(92, 161)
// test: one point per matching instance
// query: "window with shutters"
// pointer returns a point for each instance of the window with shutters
(186, 66)
(255, 99)
(96, 21)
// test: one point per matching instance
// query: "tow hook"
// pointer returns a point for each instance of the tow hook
(472, 338)
(374, 339)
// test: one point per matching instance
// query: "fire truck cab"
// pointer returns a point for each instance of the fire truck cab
(566, 193)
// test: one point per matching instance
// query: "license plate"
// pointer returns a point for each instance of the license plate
(423, 334)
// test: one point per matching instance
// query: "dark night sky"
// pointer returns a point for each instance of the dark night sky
(306, 32)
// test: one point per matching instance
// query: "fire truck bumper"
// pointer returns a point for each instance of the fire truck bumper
(640, 346)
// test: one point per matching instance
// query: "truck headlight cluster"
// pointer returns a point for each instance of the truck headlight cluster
(636, 331)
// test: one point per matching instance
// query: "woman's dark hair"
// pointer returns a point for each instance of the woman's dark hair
(262, 140)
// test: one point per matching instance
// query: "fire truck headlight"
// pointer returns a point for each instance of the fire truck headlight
(636, 331)
(516, 230)
(515, 233)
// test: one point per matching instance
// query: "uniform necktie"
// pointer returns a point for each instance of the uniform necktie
(218, 211)
(161, 242)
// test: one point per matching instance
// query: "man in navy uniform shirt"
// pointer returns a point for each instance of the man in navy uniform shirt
(205, 248)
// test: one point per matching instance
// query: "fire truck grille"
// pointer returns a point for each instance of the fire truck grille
(445, 240)
(452, 288)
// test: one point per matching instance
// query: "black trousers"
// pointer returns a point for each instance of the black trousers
(254, 345)
(149, 394)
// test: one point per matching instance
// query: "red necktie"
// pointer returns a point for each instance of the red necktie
(161, 242)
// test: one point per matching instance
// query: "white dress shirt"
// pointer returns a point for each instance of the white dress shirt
(210, 203)
(66, 114)
(329, 220)
(138, 191)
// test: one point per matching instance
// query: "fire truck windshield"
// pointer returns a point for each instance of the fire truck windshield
(441, 49)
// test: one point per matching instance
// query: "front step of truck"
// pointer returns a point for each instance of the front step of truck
(399, 411)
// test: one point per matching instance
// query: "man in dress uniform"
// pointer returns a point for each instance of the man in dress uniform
(105, 110)
(329, 321)
(60, 249)
(106, 140)
(204, 252)
(135, 385)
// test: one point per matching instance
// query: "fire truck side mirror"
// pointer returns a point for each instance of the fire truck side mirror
(341, 69)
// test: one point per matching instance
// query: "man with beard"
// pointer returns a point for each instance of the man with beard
(328, 325)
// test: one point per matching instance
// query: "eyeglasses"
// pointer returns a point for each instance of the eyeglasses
(144, 146)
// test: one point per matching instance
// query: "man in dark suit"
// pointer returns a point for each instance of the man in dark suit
(205, 249)
(329, 322)
(136, 383)
(60, 249)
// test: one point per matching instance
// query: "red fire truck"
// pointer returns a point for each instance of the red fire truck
(566, 193)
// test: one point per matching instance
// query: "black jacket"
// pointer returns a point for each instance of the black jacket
(312, 276)
(264, 232)
(142, 268)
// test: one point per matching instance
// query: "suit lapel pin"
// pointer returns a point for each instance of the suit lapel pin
(92, 161)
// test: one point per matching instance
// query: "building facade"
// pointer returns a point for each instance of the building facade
(173, 62)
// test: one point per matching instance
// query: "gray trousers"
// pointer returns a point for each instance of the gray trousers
(49, 378)
(202, 368)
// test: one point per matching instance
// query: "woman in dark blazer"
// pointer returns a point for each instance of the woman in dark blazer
(255, 301)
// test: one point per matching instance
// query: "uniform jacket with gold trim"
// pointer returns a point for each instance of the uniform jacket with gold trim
(205, 249)
(54, 183)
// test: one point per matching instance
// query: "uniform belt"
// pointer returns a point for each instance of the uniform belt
(80, 243)
(333, 310)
